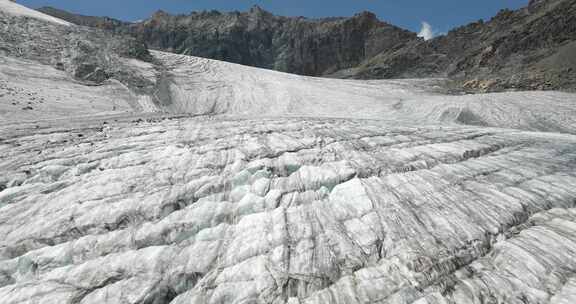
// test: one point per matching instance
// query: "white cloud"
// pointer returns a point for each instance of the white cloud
(426, 32)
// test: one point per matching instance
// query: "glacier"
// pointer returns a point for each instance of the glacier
(233, 184)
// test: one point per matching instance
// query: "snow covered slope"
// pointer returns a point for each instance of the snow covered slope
(31, 91)
(200, 86)
(204, 86)
(15, 9)
(285, 190)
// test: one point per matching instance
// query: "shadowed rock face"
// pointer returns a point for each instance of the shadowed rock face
(530, 48)
(258, 38)
(88, 55)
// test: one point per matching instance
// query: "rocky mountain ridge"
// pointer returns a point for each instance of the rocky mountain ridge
(89, 55)
(258, 38)
(530, 48)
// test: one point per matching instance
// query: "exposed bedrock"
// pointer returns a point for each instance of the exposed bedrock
(260, 39)
(89, 56)
(531, 48)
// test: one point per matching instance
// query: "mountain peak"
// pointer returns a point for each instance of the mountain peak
(257, 10)
(366, 14)
(160, 14)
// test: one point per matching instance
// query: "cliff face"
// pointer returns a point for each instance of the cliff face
(261, 39)
(90, 56)
(530, 48)
(258, 38)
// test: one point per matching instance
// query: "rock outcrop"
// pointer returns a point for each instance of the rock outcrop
(258, 38)
(88, 55)
(527, 49)
(533, 48)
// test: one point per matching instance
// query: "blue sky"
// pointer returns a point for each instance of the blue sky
(442, 15)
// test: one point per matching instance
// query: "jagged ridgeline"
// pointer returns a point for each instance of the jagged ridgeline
(530, 48)
(261, 39)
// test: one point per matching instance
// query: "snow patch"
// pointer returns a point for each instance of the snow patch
(208, 87)
(15, 9)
